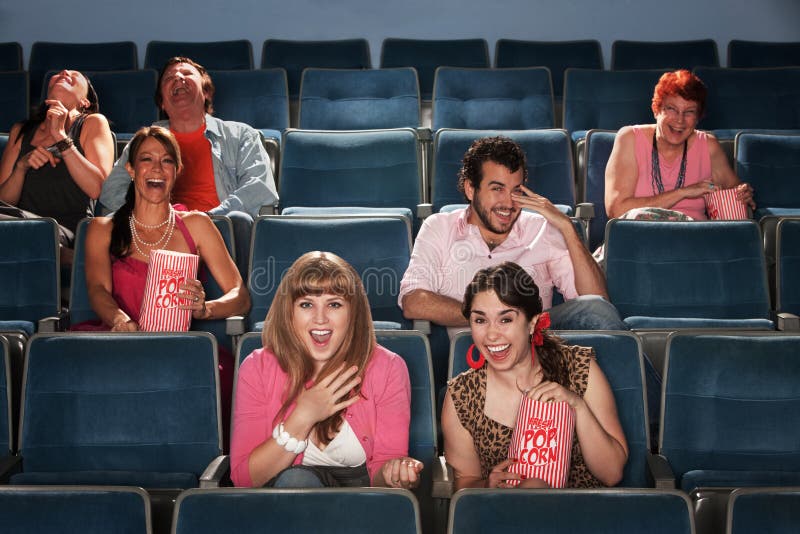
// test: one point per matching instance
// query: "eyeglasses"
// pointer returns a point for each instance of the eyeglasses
(673, 113)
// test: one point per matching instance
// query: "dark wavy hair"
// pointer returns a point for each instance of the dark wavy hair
(515, 288)
(500, 150)
(120, 245)
(208, 85)
(41, 111)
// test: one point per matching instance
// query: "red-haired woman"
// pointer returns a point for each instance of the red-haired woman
(669, 164)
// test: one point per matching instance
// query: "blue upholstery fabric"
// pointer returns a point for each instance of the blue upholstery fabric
(708, 269)
(731, 408)
(485, 99)
(750, 54)
(549, 157)
(13, 98)
(771, 164)
(90, 510)
(107, 477)
(475, 511)
(330, 510)
(339, 99)
(247, 344)
(598, 149)
(80, 309)
(630, 55)
(126, 98)
(555, 55)
(26, 327)
(259, 98)
(788, 266)
(732, 478)
(731, 93)
(620, 357)
(294, 56)
(219, 55)
(11, 56)
(145, 404)
(764, 510)
(6, 446)
(379, 168)
(645, 322)
(426, 55)
(47, 56)
(29, 270)
(378, 248)
(608, 100)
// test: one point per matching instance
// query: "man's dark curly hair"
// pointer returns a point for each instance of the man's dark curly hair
(501, 150)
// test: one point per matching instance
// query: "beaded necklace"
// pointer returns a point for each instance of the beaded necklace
(163, 240)
(655, 173)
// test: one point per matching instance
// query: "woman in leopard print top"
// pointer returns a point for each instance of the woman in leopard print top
(503, 307)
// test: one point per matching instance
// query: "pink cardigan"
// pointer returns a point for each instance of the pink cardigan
(380, 419)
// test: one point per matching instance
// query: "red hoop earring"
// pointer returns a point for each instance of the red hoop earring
(475, 364)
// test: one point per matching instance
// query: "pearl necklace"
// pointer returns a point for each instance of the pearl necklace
(158, 244)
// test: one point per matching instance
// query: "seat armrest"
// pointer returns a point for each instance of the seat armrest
(421, 325)
(787, 322)
(661, 471)
(424, 210)
(442, 479)
(215, 471)
(235, 325)
(584, 210)
(268, 209)
(56, 323)
(9, 465)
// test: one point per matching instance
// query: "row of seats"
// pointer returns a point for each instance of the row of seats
(423, 54)
(466, 98)
(143, 410)
(94, 509)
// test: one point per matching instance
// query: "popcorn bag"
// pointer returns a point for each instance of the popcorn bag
(166, 273)
(722, 204)
(542, 441)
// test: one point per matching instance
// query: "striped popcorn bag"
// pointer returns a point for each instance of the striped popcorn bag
(166, 273)
(542, 441)
(722, 204)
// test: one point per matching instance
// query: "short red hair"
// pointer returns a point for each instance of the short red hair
(683, 84)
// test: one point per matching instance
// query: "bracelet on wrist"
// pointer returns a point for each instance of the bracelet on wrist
(64, 145)
(287, 441)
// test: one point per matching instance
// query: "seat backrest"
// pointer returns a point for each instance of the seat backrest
(74, 509)
(11, 56)
(126, 98)
(14, 101)
(602, 511)
(351, 99)
(555, 55)
(606, 99)
(548, 154)
(371, 168)
(771, 165)
(80, 309)
(485, 99)
(787, 274)
(144, 402)
(750, 54)
(6, 432)
(426, 55)
(619, 355)
(30, 283)
(630, 55)
(220, 55)
(377, 247)
(697, 269)
(337, 510)
(294, 56)
(413, 347)
(732, 92)
(598, 146)
(259, 98)
(730, 402)
(47, 56)
(764, 510)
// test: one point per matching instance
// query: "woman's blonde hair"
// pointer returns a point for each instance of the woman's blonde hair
(318, 273)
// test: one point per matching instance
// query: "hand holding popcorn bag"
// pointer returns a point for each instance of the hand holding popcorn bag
(722, 204)
(166, 273)
(542, 441)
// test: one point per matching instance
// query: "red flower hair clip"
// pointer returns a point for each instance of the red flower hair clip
(537, 339)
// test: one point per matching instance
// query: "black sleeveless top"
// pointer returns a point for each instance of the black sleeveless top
(51, 191)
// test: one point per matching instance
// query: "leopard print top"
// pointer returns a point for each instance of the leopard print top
(492, 439)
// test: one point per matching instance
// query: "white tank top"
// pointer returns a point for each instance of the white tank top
(344, 450)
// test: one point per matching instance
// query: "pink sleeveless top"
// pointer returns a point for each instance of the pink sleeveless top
(129, 275)
(698, 168)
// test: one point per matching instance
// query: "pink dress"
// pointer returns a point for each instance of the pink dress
(698, 168)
